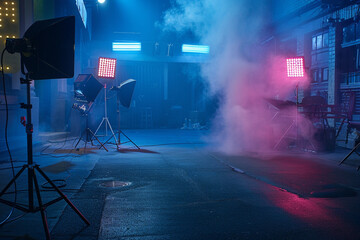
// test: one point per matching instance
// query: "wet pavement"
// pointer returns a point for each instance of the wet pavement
(178, 187)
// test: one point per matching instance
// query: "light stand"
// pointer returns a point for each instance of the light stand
(119, 129)
(105, 121)
(124, 94)
(32, 168)
(296, 71)
(86, 88)
(294, 123)
(119, 132)
(88, 134)
(47, 52)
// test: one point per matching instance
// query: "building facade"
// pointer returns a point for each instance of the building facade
(50, 105)
(327, 34)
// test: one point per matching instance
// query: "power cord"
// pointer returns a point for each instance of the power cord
(6, 220)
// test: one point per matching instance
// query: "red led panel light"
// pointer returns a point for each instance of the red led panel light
(107, 67)
(295, 67)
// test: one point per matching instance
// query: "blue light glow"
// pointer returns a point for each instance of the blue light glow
(82, 10)
(126, 46)
(187, 48)
(101, 1)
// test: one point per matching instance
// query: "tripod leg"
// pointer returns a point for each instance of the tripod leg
(340, 127)
(108, 140)
(283, 136)
(99, 126)
(90, 136)
(62, 195)
(42, 209)
(347, 156)
(129, 139)
(81, 136)
(85, 144)
(112, 132)
(77, 142)
(102, 145)
(13, 180)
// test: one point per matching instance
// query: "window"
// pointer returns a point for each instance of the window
(357, 31)
(320, 41)
(320, 75)
(325, 39)
(314, 74)
(351, 33)
(357, 63)
(325, 74)
(314, 43)
(348, 33)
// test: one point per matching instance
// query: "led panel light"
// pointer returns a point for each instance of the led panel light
(107, 67)
(295, 67)
(187, 48)
(126, 46)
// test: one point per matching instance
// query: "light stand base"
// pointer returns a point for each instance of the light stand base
(32, 169)
(32, 181)
(89, 135)
(119, 142)
(293, 126)
(105, 121)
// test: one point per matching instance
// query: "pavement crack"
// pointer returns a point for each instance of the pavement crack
(257, 178)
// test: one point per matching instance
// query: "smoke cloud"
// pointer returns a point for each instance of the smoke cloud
(239, 70)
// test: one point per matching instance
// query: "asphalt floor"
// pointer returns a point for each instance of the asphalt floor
(177, 186)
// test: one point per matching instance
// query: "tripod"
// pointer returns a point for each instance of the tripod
(32, 168)
(105, 120)
(88, 135)
(119, 129)
(294, 126)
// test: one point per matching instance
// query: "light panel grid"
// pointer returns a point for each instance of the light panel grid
(295, 67)
(107, 67)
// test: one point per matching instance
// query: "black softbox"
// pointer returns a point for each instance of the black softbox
(47, 48)
(86, 87)
(125, 91)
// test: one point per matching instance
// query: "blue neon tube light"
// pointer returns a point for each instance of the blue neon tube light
(187, 48)
(126, 46)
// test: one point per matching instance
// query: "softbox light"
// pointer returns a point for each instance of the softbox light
(47, 48)
(86, 87)
(125, 91)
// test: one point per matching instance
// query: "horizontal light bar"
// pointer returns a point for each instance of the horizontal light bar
(126, 46)
(187, 48)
